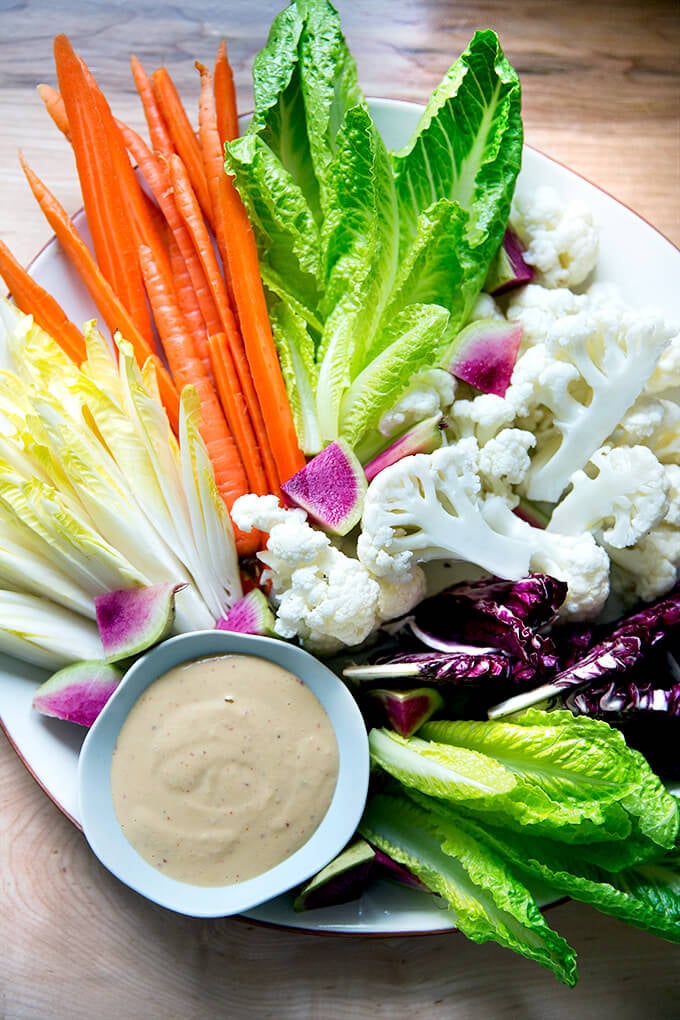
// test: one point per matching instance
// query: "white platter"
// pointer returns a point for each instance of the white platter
(634, 256)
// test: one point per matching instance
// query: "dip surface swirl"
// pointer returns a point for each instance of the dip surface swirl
(224, 767)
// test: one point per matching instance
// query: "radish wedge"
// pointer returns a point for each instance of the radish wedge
(407, 711)
(133, 619)
(330, 487)
(78, 692)
(251, 614)
(484, 354)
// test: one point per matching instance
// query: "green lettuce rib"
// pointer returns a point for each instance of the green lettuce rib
(488, 902)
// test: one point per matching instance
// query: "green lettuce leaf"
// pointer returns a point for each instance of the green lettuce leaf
(646, 894)
(379, 256)
(487, 900)
(577, 769)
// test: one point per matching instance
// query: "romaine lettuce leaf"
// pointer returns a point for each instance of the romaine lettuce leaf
(488, 901)
(381, 256)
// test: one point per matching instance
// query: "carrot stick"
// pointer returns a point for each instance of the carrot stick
(236, 412)
(253, 317)
(225, 97)
(34, 300)
(112, 311)
(189, 209)
(187, 369)
(158, 130)
(188, 303)
(183, 135)
(212, 151)
(157, 177)
(97, 153)
(54, 105)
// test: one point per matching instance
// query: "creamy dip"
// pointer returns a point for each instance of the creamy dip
(224, 767)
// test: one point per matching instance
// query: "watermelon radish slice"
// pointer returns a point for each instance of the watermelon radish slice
(330, 487)
(251, 614)
(132, 619)
(424, 437)
(508, 270)
(407, 711)
(484, 354)
(78, 692)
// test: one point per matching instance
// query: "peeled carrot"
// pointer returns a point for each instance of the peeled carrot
(158, 131)
(183, 135)
(253, 317)
(187, 369)
(54, 105)
(236, 412)
(156, 174)
(34, 300)
(112, 311)
(214, 168)
(96, 148)
(225, 97)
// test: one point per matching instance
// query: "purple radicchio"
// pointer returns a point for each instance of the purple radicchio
(506, 615)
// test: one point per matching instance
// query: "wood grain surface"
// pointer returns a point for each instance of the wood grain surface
(601, 94)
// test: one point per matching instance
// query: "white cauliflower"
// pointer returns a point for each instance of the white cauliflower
(573, 390)
(485, 308)
(560, 238)
(649, 569)
(653, 422)
(480, 417)
(536, 308)
(621, 495)
(322, 596)
(504, 462)
(667, 373)
(432, 507)
(429, 392)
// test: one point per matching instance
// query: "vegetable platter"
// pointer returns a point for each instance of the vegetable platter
(418, 316)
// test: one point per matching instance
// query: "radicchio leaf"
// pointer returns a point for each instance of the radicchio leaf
(504, 614)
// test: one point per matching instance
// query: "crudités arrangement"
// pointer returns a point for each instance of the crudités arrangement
(366, 401)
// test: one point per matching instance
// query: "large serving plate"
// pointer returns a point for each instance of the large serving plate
(634, 256)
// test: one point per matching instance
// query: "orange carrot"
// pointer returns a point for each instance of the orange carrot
(158, 130)
(96, 149)
(225, 96)
(54, 105)
(157, 177)
(188, 303)
(236, 412)
(187, 369)
(183, 135)
(212, 152)
(34, 300)
(112, 311)
(210, 147)
(253, 317)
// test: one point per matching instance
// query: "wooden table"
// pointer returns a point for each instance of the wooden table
(601, 94)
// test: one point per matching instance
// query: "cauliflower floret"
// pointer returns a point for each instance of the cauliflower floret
(432, 507)
(399, 597)
(481, 417)
(649, 569)
(654, 423)
(322, 596)
(621, 495)
(485, 308)
(560, 239)
(666, 376)
(428, 393)
(504, 462)
(573, 390)
(536, 308)
(576, 559)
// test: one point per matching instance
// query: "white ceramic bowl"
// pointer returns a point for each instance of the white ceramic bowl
(100, 823)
